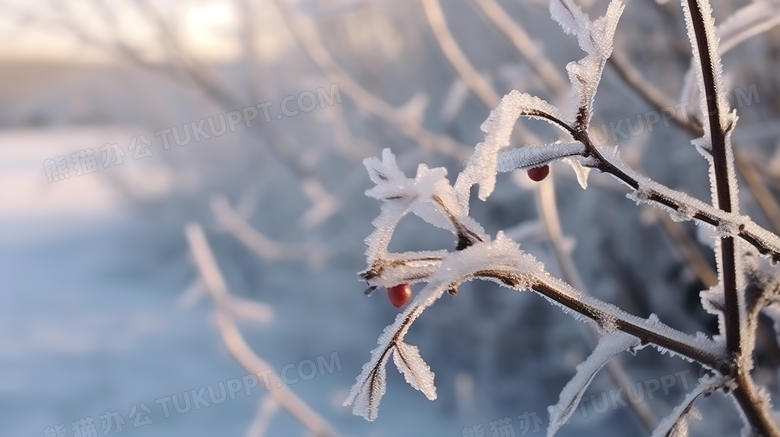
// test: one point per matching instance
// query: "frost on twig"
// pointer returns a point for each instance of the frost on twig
(482, 166)
(755, 18)
(455, 268)
(430, 196)
(608, 347)
(676, 424)
(719, 122)
(595, 38)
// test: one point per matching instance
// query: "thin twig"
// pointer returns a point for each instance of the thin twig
(311, 41)
(266, 248)
(746, 393)
(217, 287)
(545, 70)
(688, 250)
(545, 196)
(471, 77)
(724, 180)
(655, 97)
(764, 241)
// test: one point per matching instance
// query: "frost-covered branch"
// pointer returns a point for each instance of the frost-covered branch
(715, 145)
(606, 159)
(432, 198)
(477, 256)
(655, 97)
(676, 424)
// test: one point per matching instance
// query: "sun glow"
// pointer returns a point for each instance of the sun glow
(209, 31)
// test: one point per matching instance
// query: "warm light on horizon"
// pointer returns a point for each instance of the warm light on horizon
(210, 32)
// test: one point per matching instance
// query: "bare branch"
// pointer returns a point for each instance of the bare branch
(215, 283)
(311, 41)
(476, 83)
(266, 248)
(522, 42)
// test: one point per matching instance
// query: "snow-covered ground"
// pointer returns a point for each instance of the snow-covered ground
(89, 326)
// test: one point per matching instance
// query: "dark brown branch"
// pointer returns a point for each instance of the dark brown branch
(755, 238)
(466, 237)
(656, 98)
(722, 177)
(549, 290)
(750, 402)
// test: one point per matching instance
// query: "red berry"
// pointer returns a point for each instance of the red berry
(400, 294)
(539, 173)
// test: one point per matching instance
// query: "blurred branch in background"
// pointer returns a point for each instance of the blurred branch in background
(235, 343)
(545, 70)
(406, 122)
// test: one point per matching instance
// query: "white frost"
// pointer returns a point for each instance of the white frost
(724, 120)
(608, 347)
(525, 158)
(416, 372)
(676, 424)
(482, 166)
(502, 254)
(595, 38)
(429, 195)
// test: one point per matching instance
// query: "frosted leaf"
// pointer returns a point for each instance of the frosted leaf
(608, 347)
(571, 18)
(595, 38)
(365, 401)
(429, 196)
(482, 166)
(384, 170)
(580, 171)
(397, 268)
(408, 361)
(456, 267)
(676, 424)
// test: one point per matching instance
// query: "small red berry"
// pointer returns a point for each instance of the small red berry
(539, 173)
(400, 294)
